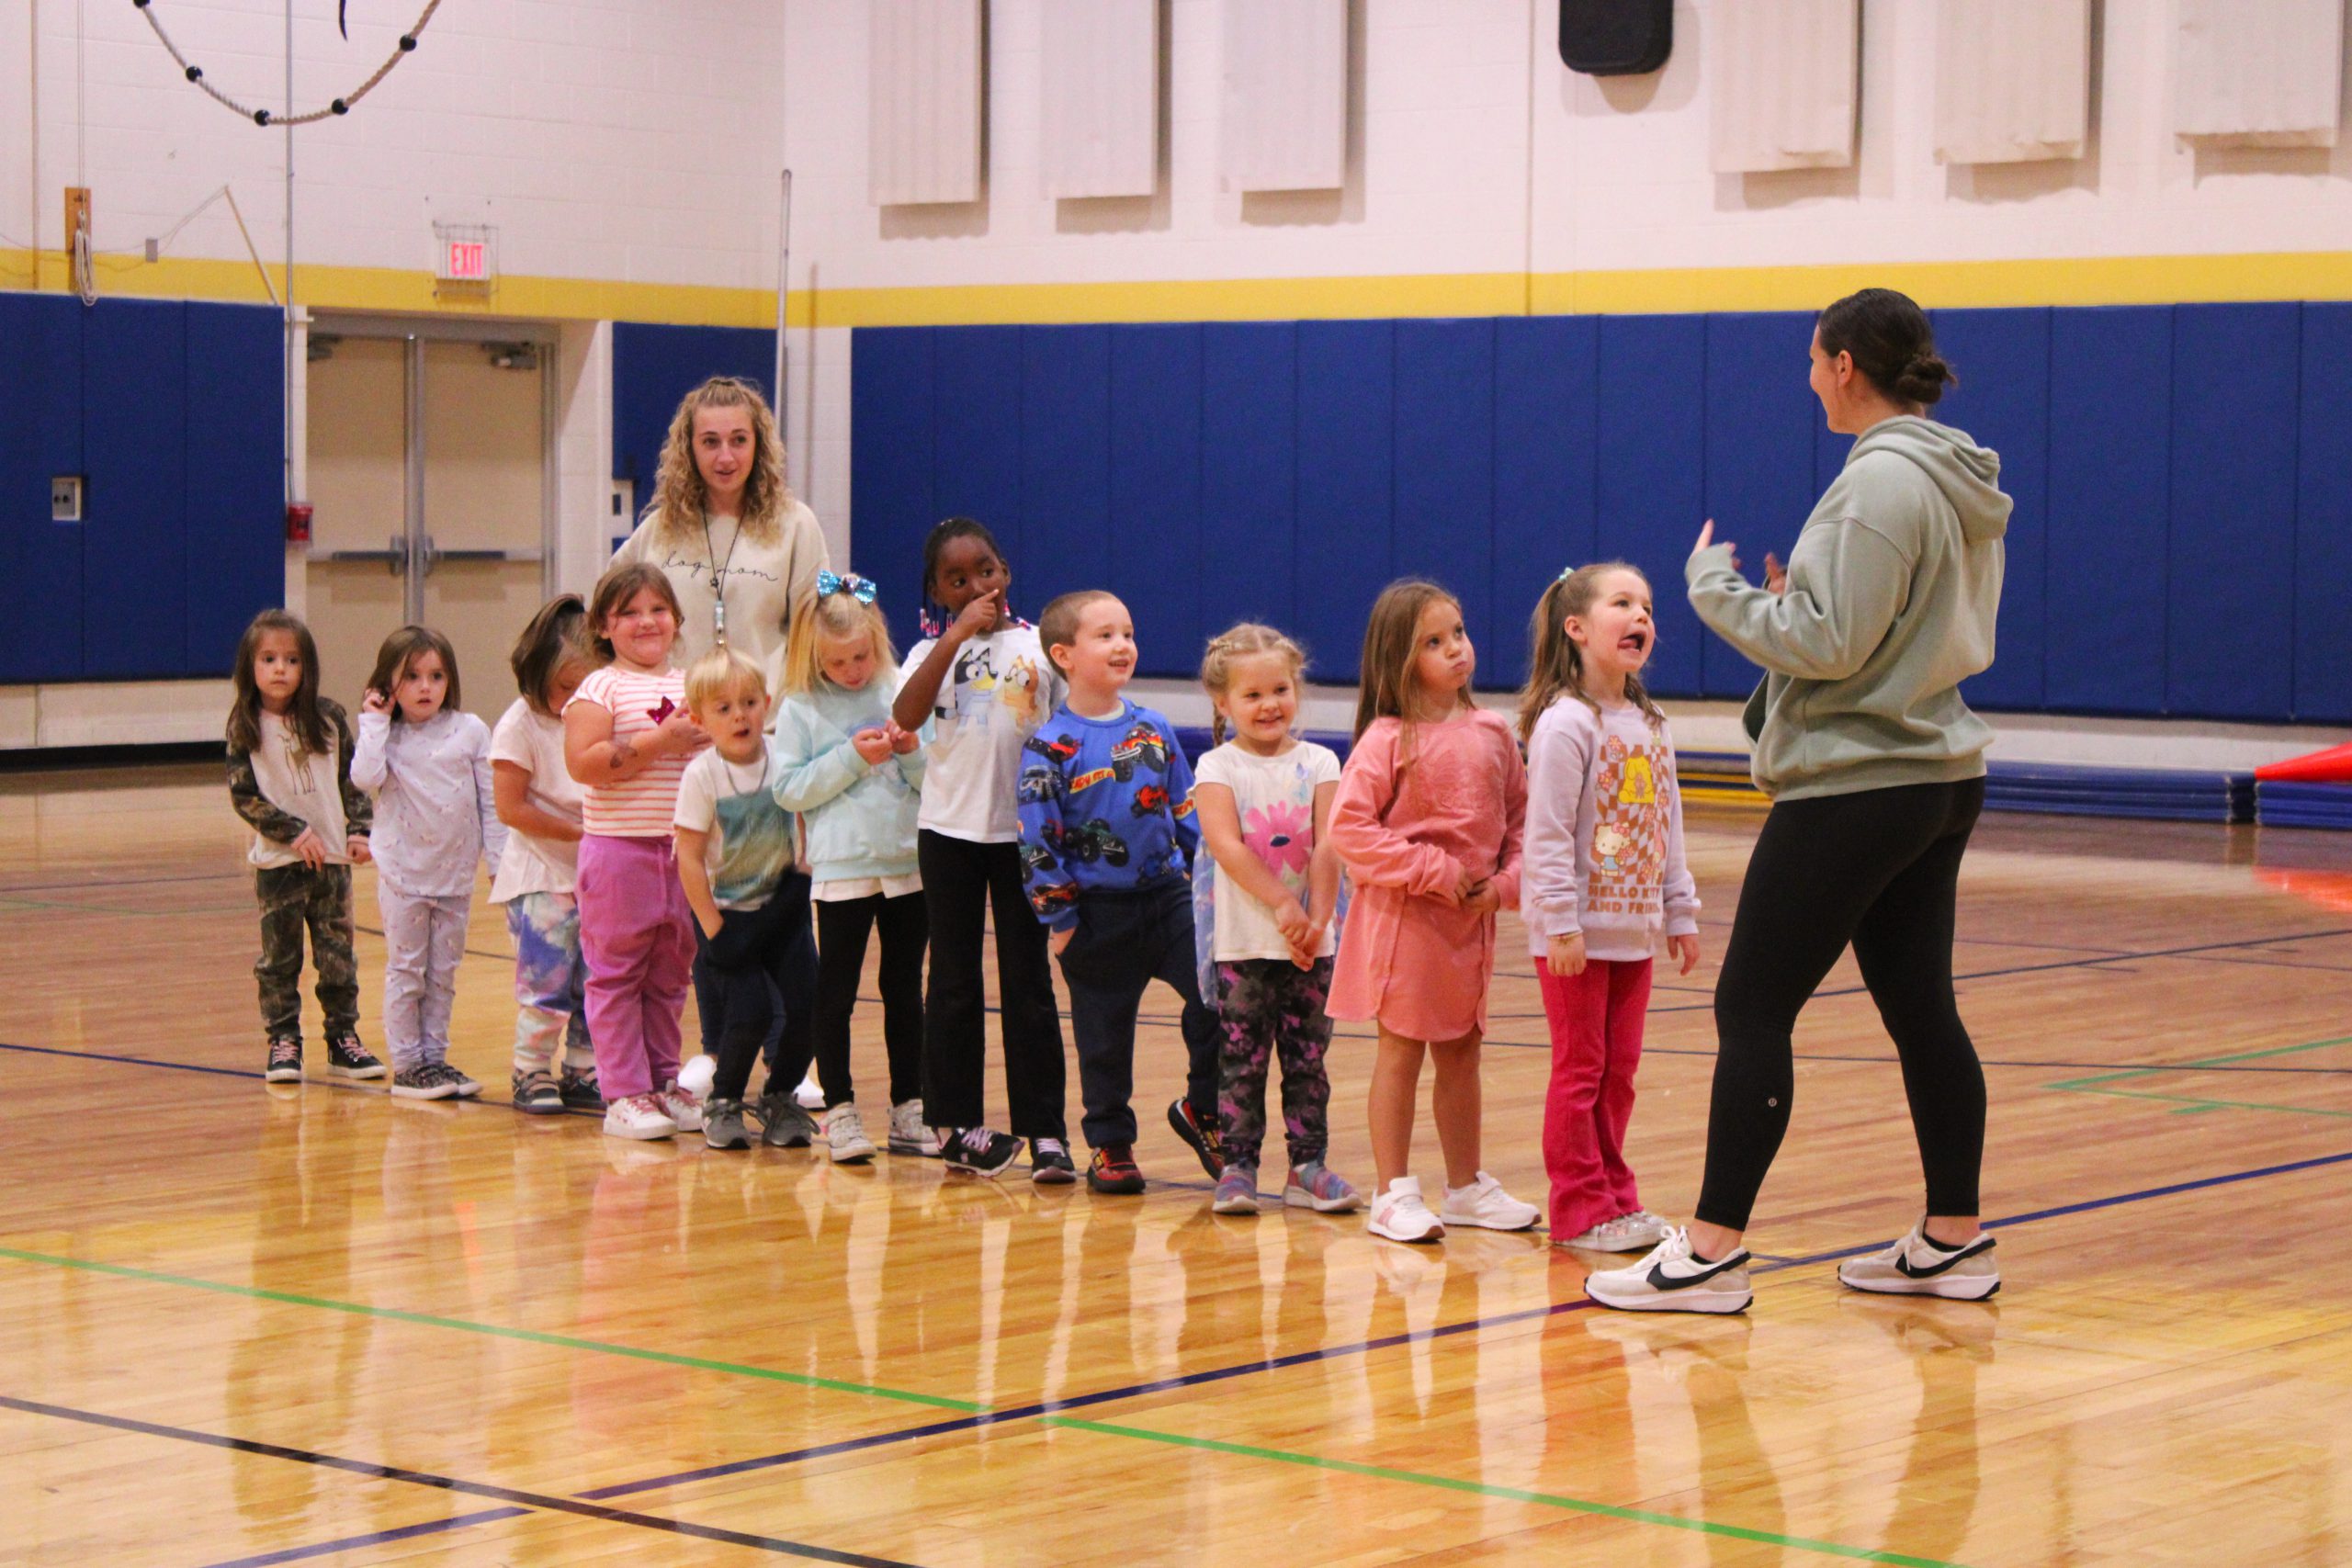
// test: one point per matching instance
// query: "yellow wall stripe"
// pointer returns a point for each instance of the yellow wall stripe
(2084, 280)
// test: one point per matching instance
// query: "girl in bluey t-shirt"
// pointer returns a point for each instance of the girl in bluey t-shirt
(627, 735)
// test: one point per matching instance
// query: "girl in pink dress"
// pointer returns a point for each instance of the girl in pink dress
(1428, 821)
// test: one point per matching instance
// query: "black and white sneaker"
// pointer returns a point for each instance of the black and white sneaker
(1049, 1163)
(579, 1089)
(1918, 1267)
(426, 1081)
(1674, 1279)
(536, 1094)
(461, 1083)
(284, 1063)
(981, 1152)
(347, 1058)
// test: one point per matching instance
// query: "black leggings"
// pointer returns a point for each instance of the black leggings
(842, 928)
(1878, 868)
(963, 883)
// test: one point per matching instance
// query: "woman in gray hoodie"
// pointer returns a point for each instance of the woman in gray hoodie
(1876, 771)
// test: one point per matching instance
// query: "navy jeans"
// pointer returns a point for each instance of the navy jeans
(1125, 941)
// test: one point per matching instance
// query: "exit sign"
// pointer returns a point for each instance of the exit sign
(467, 261)
(465, 255)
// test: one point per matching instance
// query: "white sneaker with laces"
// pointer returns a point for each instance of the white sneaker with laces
(682, 1107)
(910, 1133)
(1626, 1233)
(1483, 1205)
(639, 1116)
(1671, 1280)
(1918, 1267)
(809, 1096)
(845, 1137)
(1398, 1214)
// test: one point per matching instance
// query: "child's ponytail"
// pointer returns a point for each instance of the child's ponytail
(1554, 663)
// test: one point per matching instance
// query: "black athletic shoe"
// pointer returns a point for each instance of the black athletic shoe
(1205, 1139)
(1113, 1171)
(347, 1058)
(578, 1090)
(284, 1065)
(536, 1094)
(1049, 1163)
(981, 1152)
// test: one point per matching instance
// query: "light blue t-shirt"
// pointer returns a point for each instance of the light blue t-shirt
(751, 847)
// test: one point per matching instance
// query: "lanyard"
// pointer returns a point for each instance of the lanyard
(718, 576)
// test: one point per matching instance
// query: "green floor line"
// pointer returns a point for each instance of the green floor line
(2203, 1061)
(1512, 1494)
(529, 1336)
(2195, 1102)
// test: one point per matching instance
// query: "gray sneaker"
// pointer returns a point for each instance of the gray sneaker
(722, 1125)
(782, 1123)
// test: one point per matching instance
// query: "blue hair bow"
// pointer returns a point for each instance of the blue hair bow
(858, 588)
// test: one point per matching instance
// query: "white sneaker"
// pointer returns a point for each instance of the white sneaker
(684, 1109)
(639, 1116)
(909, 1135)
(845, 1137)
(1671, 1280)
(1483, 1205)
(1400, 1215)
(1918, 1267)
(808, 1097)
(1626, 1233)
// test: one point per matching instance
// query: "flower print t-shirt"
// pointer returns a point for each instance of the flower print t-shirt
(1274, 797)
(637, 807)
(1001, 688)
(749, 845)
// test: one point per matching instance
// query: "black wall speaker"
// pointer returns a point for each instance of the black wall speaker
(1616, 37)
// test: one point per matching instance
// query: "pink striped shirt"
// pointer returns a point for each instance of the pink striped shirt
(642, 806)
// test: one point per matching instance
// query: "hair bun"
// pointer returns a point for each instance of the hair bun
(1924, 377)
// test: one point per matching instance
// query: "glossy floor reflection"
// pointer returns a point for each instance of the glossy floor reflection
(312, 1323)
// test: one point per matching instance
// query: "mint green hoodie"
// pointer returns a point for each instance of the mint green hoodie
(1892, 593)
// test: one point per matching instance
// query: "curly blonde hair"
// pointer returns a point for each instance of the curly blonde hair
(679, 495)
(1241, 641)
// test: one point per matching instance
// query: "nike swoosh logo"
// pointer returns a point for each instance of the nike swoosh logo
(1662, 1281)
(1902, 1264)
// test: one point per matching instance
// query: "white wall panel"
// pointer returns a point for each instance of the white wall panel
(2012, 80)
(1101, 109)
(1786, 81)
(1286, 123)
(925, 101)
(2267, 72)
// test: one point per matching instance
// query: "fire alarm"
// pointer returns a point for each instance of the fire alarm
(298, 522)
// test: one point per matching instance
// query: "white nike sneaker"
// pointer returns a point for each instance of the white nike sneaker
(1671, 1280)
(1483, 1205)
(1918, 1267)
(1399, 1214)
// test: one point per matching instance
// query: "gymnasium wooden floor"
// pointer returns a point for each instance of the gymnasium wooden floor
(314, 1325)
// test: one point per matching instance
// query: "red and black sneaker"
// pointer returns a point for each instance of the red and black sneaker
(1114, 1171)
(1205, 1139)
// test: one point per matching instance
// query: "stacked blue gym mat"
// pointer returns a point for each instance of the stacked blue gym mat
(2287, 805)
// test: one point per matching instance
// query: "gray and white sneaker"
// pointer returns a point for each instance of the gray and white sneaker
(1918, 1267)
(782, 1123)
(460, 1084)
(1671, 1278)
(426, 1081)
(1483, 1205)
(910, 1133)
(845, 1137)
(1626, 1233)
(722, 1125)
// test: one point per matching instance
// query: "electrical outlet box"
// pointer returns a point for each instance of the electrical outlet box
(65, 498)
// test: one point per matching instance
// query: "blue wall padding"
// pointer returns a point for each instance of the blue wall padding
(2003, 399)
(1759, 460)
(1346, 484)
(2324, 520)
(890, 464)
(655, 366)
(1056, 532)
(1155, 461)
(2110, 487)
(2234, 418)
(1653, 468)
(134, 535)
(236, 411)
(1288, 470)
(1444, 520)
(1248, 518)
(1547, 410)
(40, 435)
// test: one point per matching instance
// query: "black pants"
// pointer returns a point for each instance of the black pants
(962, 882)
(1124, 942)
(756, 983)
(842, 928)
(1878, 868)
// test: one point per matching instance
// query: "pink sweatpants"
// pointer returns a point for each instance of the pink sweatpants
(1596, 1021)
(638, 937)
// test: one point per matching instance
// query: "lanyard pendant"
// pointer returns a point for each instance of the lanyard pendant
(718, 617)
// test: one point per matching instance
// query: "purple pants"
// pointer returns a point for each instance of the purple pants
(638, 937)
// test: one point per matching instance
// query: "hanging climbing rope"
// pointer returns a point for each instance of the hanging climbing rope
(264, 117)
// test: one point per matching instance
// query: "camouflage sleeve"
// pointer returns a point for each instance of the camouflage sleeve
(260, 814)
(358, 810)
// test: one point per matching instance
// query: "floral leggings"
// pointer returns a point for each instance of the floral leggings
(1270, 1009)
